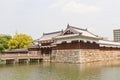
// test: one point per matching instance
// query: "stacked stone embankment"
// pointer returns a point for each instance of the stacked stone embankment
(84, 55)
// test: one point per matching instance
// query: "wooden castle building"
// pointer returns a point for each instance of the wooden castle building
(76, 45)
(72, 45)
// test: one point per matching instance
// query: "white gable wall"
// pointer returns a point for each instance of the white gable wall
(70, 39)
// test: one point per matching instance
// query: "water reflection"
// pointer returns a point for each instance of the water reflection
(108, 70)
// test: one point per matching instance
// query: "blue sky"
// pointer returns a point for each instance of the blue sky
(33, 17)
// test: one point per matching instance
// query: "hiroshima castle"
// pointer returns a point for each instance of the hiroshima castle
(74, 45)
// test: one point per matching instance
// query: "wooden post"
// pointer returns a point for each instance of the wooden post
(14, 61)
(5, 61)
(28, 60)
(38, 61)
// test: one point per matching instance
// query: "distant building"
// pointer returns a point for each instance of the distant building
(116, 34)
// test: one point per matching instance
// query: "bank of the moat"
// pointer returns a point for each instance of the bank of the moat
(72, 45)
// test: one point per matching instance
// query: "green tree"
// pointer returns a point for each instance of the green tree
(20, 41)
(1, 48)
(4, 42)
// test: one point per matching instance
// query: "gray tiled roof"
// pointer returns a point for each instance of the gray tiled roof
(34, 46)
(16, 50)
(49, 36)
(83, 32)
(75, 30)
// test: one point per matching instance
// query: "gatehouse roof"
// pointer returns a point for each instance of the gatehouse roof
(50, 36)
(77, 31)
(74, 30)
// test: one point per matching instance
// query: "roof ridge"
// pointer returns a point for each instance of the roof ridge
(52, 32)
(78, 28)
(84, 30)
(92, 33)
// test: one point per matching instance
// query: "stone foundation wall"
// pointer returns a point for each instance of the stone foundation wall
(68, 56)
(46, 57)
(90, 55)
(84, 55)
(79, 55)
(110, 54)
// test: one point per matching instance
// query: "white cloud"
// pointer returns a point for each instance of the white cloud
(58, 4)
(80, 8)
(76, 7)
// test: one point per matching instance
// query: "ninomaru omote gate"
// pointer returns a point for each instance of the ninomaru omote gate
(76, 45)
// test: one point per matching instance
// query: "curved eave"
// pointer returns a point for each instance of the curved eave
(46, 41)
(76, 35)
(108, 44)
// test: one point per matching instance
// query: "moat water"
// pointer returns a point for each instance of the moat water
(59, 71)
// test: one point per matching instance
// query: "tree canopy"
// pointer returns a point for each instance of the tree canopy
(20, 41)
(4, 42)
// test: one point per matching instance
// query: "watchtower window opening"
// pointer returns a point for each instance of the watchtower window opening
(74, 41)
(64, 42)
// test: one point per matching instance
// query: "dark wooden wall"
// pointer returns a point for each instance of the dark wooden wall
(77, 45)
(109, 48)
(33, 49)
